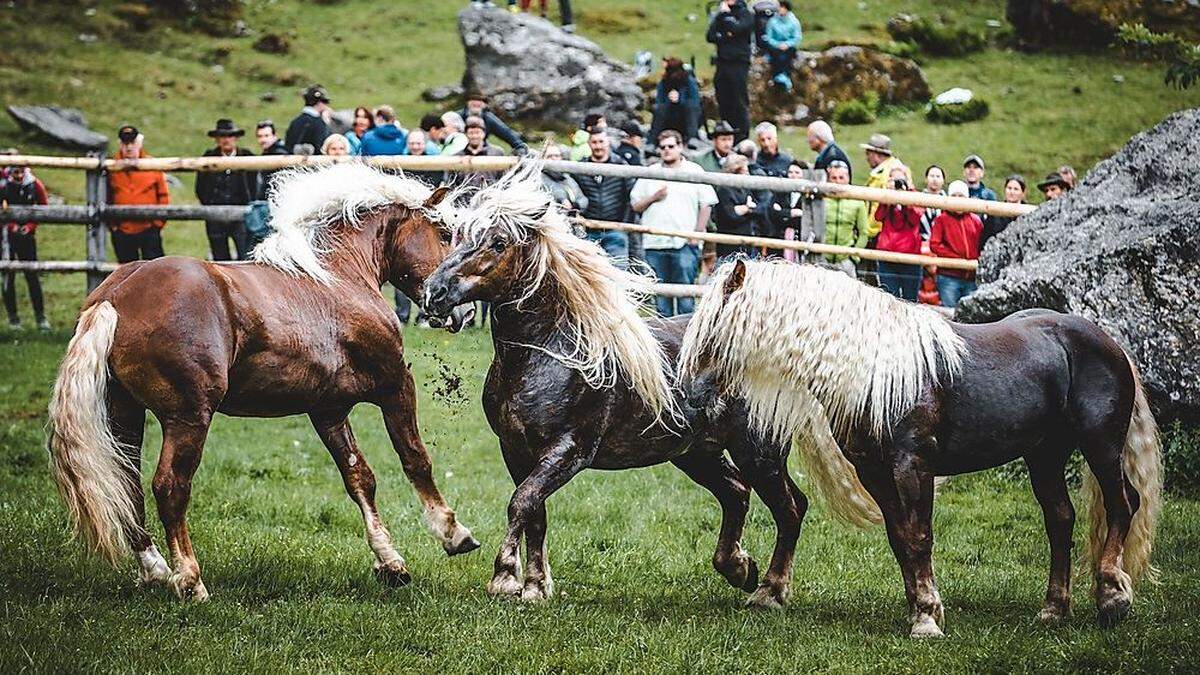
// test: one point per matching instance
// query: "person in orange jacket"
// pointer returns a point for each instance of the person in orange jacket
(136, 239)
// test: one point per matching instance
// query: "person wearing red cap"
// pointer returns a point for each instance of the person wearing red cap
(136, 239)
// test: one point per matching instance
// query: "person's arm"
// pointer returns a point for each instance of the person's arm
(505, 132)
(860, 227)
(912, 217)
(727, 206)
(580, 200)
(202, 179)
(937, 241)
(161, 193)
(702, 218)
(640, 205)
(743, 22)
(714, 29)
(691, 94)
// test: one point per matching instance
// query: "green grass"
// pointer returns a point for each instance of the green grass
(282, 551)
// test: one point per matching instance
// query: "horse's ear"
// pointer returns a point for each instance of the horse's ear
(736, 278)
(439, 193)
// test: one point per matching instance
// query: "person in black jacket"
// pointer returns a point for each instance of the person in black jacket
(270, 144)
(632, 139)
(493, 125)
(226, 186)
(773, 161)
(309, 128)
(731, 30)
(608, 198)
(739, 211)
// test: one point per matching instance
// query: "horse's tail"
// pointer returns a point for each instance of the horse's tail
(1142, 456)
(87, 462)
(834, 476)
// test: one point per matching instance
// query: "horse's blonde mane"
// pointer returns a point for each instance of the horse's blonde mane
(795, 334)
(600, 303)
(308, 204)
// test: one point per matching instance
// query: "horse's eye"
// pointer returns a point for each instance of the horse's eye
(499, 246)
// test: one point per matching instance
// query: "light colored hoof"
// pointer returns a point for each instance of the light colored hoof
(768, 597)
(186, 590)
(152, 569)
(536, 592)
(1051, 615)
(925, 627)
(505, 585)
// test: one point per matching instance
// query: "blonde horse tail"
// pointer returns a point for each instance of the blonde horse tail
(835, 478)
(88, 464)
(1142, 457)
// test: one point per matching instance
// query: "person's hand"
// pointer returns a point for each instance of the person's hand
(741, 209)
(796, 213)
(566, 204)
(726, 5)
(26, 229)
(750, 204)
(673, 96)
(660, 194)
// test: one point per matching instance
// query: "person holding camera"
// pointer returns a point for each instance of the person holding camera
(900, 233)
(731, 30)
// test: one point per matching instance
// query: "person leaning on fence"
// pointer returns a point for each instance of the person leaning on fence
(387, 138)
(900, 233)
(845, 220)
(955, 235)
(21, 188)
(309, 128)
(608, 198)
(820, 141)
(786, 214)
(676, 101)
(226, 187)
(782, 37)
(136, 239)
(683, 207)
(363, 122)
(454, 138)
(738, 212)
(562, 186)
(418, 146)
(731, 30)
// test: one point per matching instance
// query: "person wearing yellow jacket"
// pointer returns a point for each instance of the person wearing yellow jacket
(845, 219)
(881, 161)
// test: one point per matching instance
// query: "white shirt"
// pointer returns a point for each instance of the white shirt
(679, 210)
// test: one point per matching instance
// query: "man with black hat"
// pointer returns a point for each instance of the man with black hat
(136, 239)
(973, 169)
(722, 138)
(226, 186)
(731, 31)
(630, 147)
(309, 127)
(477, 107)
(1054, 186)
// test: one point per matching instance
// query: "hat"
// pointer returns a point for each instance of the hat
(1054, 179)
(723, 128)
(226, 127)
(475, 95)
(878, 143)
(633, 128)
(475, 122)
(127, 133)
(315, 93)
(974, 159)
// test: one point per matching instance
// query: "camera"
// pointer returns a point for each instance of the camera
(900, 184)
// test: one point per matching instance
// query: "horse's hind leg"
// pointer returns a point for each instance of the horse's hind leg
(710, 469)
(400, 418)
(183, 443)
(1113, 586)
(1050, 488)
(359, 480)
(127, 419)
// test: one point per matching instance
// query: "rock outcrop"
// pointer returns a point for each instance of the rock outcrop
(63, 127)
(1122, 249)
(1093, 23)
(534, 72)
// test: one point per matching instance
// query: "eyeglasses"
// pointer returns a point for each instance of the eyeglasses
(668, 147)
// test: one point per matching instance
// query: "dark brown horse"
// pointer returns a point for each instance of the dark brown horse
(579, 380)
(302, 330)
(911, 396)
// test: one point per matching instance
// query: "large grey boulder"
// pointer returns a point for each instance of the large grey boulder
(532, 71)
(1122, 249)
(64, 127)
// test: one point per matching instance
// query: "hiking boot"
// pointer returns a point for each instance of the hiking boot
(43, 325)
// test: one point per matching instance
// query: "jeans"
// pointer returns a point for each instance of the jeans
(781, 62)
(902, 281)
(953, 289)
(145, 245)
(22, 247)
(614, 243)
(220, 232)
(674, 266)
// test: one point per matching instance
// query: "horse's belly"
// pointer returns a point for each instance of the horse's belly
(264, 386)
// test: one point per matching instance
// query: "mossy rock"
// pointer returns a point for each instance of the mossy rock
(958, 113)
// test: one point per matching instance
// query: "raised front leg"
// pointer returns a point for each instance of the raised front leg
(400, 418)
(710, 469)
(335, 432)
(1050, 488)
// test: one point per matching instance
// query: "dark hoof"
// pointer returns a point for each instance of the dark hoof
(393, 577)
(1113, 612)
(465, 546)
(751, 583)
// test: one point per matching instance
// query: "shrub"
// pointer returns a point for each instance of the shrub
(1181, 459)
(937, 39)
(1182, 58)
(853, 112)
(957, 113)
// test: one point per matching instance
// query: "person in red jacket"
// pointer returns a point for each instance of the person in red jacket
(20, 243)
(955, 235)
(136, 239)
(901, 233)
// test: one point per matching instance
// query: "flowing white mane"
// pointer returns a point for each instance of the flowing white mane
(600, 303)
(796, 339)
(308, 203)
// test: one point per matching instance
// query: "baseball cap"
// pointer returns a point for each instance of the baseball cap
(315, 93)
(974, 159)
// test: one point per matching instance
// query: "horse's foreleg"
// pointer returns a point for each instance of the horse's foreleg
(183, 443)
(538, 583)
(1050, 488)
(716, 474)
(400, 418)
(338, 437)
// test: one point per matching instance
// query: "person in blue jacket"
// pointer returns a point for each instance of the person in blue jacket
(783, 37)
(677, 101)
(387, 138)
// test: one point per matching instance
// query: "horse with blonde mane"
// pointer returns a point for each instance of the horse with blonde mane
(302, 329)
(910, 396)
(580, 380)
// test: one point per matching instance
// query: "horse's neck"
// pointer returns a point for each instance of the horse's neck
(358, 255)
(536, 321)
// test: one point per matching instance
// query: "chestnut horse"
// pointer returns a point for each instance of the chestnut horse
(302, 329)
(911, 396)
(581, 381)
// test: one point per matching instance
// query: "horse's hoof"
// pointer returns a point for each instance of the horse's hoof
(925, 627)
(1113, 611)
(535, 592)
(751, 582)
(740, 571)
(767, 597)
(393, 575)
(504, 585)
(1052, 615)
(464, 545)
(187, 590)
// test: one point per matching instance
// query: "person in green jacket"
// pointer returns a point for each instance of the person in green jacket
(845, 220)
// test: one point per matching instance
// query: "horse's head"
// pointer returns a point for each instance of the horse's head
(701, 373)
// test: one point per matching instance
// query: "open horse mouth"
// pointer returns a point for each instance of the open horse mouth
(455, 320)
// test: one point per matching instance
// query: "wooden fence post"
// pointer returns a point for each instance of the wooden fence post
(96, 230)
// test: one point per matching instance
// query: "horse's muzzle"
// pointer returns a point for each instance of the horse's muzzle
(459, 317)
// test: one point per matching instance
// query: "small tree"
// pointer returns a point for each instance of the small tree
(1182, 58)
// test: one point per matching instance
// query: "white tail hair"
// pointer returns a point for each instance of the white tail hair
(1142, 457)
(600, 303)
(90, 467)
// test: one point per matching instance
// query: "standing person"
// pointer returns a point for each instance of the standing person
(309, 127)
(738, 212)
(722, 139)
(435, 133)
(336, 145)
(783, 37)
(632, 140)
(364, 121)
(454, 138)
(21, 188)
(417, 146)
(787, 216)
(901, 233)
(258, 217)
(227, 186)
(387, 138)
(1054, 186)
(493, 126)
(1014, 193)
(608, 199)
(878, 150)
(973, 170)
(955, 235)
(136, 239)
(1068, 175)
(935, 183)
(845, 220)
(820, 141)
(771, 159)
(562, 186)
(477, 146)
(731, 30)
(676, 101)
(683, 207)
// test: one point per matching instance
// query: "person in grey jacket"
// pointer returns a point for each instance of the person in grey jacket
(562, 186)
